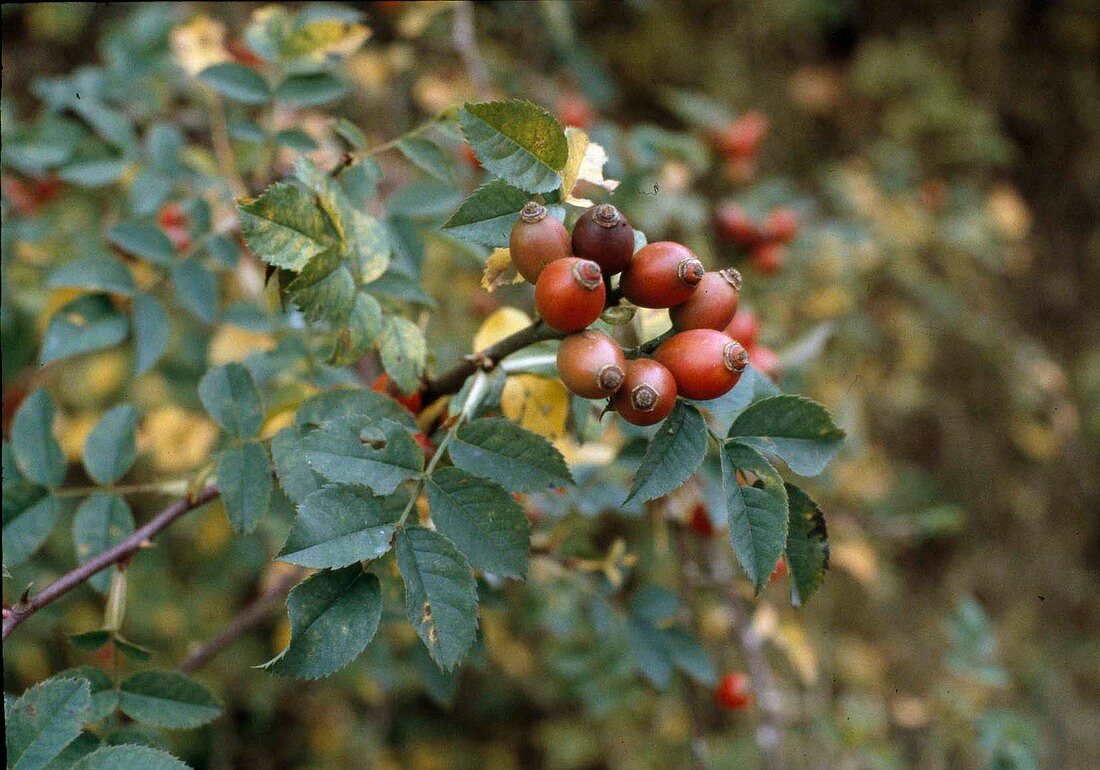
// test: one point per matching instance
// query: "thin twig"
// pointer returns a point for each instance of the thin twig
(689, 584)
(451, 381)
(247, 619)
(223, 150)
(466, 45)
(770, 731)
(16, 614)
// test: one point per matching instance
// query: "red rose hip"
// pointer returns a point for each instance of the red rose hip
(662, 274)
(705, 363)
(591, 364)
(736, 225)
(713, 305)
(744, 327)
(781, 225)
(647, 393)
(537, 239)
(603, 235)
(734, 691)
(570, 294)
(768, 257)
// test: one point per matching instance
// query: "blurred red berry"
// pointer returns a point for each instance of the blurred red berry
(780, 570)
(734, 691)
(736, 225)
(700, 521)
(768, 257)
(765, 360)
(575, 110)
(171, 215)
(740, 170)
(19, 194)
(470, 156)
(744, 327)
(242, 54)
(742, 138)
(425, 443)
(781, 225)
(46, 188)
(413, 402)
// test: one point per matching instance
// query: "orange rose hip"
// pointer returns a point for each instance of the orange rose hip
(647, 393)
(705, 363)
(713, 305)
(537, 239)
(662, 274)
(591, 364)
(570, 294)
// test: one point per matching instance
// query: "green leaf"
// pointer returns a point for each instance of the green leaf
(244, 476)
(288, 456)
(426, 155)
(359, 450)
(337, 526)
(795, 429)
(347, 403)
(45, 720)
(296, 139)
(196, 289)
(363, 238)
(488, 214)
(110, 448)
(364, 324)
(134, 652)
(690, 656)
(310, 90)
(28, 521)
(143, 240)
(104, 696)
(325, 289)
(102, 520)
(167, 699)
(224, 250)
(90, 641)
(650, 651)
(85, 325)
(757, 515)
(807, 546)
(230, 396)
(404, 352)
(333, 617)
(38, 454)
(100, 272)
(93, 173)
(129, 756)
(517, 141)
(440, 594)
(350, 133)
(283, 226)
(151, 332)
(510, 455)
(84, 745)
(237, 82)
(485, 522)
(675, 453)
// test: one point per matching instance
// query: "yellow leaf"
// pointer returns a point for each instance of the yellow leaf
(800, 652)
(499, 270)
(177, 439)
(539, 404)
(502, 323)
(74, 430)
(578, 145)
(858, 558)
(591, 171)
(199, 44)
(232, 343)
(327, 37)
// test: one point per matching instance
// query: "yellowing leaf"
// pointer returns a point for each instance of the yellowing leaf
(578, 145)
(499, 270)
(327, 37)
(74, 430)
(177, 439)
(232, 343)
(791, 637)
(590, 170)
(199, 44)
(539, 404)
(503, 322)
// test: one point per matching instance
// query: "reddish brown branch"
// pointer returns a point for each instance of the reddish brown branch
(16, 614)
(248, 618)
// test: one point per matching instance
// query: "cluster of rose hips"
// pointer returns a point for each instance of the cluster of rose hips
(766, 241)
(572, 277)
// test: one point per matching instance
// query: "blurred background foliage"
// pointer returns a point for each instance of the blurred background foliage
(940, 297)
